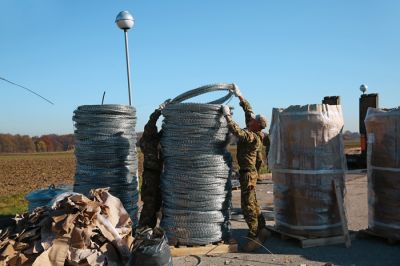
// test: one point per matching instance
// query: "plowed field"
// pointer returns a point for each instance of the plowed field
(22, 173)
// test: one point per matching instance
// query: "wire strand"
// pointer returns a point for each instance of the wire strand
(31, 91)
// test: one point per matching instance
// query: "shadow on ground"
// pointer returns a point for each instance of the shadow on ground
(6, 221)
(365, 250)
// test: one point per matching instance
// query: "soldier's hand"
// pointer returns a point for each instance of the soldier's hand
(162, 106)
(225, 110)
(236, 91)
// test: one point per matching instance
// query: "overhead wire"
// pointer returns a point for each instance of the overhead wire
(31, 91)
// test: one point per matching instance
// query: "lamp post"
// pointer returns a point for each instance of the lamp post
(363, 88)
(125, 22)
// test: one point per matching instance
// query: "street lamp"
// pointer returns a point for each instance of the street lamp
(125, 22)
(363, 88)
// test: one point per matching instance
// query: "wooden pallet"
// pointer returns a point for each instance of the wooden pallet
(306, 242)
(210, 249)
(342, 214)
(389, 240)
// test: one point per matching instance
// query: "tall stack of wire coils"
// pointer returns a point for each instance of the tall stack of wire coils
(307, 161)
(383, 153)
(106, 152)
(196, 181)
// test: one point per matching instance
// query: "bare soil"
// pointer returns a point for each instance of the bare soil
(22, 173)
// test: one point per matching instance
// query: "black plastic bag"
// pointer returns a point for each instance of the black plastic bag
(151, 249)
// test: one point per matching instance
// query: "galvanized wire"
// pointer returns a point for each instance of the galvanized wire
(205, 89)
(196, 181)
(106, 152)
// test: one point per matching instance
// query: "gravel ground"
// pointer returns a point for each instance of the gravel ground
(364, 250)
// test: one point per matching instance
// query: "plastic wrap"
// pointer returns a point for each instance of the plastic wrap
(306, 155)
(44, 196)
(383, 153)
(150, 249)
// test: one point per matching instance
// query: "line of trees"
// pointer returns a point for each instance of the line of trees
(348, 135)
(51, 143)
(46, 143)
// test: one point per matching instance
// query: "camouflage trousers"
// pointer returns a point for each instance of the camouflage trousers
(151, 197)
(250, 208)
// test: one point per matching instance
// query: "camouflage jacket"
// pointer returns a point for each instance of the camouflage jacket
(248, 112)
(248, 147)
(150, 144)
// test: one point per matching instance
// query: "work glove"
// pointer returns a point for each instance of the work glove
(226, 110)
(162, 106)
(235, 90)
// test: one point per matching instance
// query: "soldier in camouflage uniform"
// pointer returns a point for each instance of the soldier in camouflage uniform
(259, 159)
(152, 167)
(249, 116)
(249, 146)
(267, 144)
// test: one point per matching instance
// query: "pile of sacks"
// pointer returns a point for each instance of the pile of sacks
(76, 230)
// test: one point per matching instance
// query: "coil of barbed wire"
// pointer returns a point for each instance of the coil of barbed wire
(195, 184)
(106, 152)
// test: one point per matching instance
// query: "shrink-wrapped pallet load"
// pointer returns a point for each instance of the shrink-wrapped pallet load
(306, 156)
(383, 153)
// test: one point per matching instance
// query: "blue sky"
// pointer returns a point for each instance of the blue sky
(279, 53)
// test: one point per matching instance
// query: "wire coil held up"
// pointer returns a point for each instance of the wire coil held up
(196, 182)
(106, 152)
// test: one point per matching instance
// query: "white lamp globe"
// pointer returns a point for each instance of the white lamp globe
(124, 20)
(363, 88)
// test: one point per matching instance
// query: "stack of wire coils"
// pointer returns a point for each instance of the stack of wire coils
(106, 153)
(196, 181)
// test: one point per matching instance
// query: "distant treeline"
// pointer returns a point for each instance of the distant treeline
(348, 135)
(50, 143)
(46, 143)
